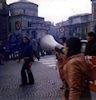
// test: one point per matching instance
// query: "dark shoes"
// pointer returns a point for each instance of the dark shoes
(23, 85)
(30, 83)
(26, 84)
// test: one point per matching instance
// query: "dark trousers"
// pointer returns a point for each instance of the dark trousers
(36, 54)
(25, 68)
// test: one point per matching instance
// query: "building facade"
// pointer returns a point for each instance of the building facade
(24, 20)
(77, 26)
(93, 22)
(3, 21)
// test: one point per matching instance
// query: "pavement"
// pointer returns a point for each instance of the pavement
(47, 82)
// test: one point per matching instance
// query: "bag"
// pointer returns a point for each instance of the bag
(91, 61)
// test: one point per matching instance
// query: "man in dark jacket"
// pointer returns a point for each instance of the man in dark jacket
(91, 45)
(27, 55)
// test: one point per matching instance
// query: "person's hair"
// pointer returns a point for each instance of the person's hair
(27, 39)
(63, 39)
(74, 46)
(92, 34)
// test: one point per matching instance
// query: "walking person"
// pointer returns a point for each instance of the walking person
(34, 45)
(76, 84)
(40, 51)
(27, 55)
(91, 45)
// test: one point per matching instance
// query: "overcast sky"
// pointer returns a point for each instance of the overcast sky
(59, 10)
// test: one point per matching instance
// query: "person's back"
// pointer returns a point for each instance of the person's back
(76, 85)
(76, 75)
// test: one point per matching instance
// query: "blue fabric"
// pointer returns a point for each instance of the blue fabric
(26, 51)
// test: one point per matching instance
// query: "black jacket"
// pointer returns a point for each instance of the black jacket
(91, 48)
(27, 51)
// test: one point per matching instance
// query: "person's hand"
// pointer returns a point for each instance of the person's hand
(58, 55)
(17, 60)
(31, 63)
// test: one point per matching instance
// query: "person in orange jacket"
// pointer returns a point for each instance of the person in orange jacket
(75, 72)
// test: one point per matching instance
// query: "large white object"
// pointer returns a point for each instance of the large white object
(49, 43)
(83, 45)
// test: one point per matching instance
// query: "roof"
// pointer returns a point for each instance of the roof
(79, 15)
(23, 1)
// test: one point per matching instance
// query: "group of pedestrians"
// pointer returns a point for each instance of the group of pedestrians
(29, 49)
(71, 64)
(14, 45)
(73, 68)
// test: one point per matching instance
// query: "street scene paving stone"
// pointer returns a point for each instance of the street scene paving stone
(50, 61)
(47, 82)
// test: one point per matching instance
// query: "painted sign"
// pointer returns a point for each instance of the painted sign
(17, 25)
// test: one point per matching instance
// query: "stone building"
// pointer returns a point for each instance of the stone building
(93, 22)
(77, 25)
(3, 21)
(51, 28)
(24, 20)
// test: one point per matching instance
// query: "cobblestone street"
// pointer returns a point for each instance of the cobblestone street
(47, 83)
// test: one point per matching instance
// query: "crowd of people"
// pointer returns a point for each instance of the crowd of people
(13, 49)
(28, 49)
(71, 64)
(16, 42)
